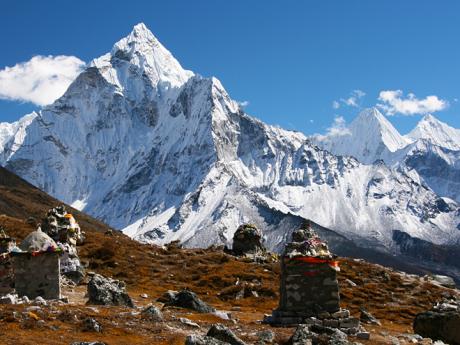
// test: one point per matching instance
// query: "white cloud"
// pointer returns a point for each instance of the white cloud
(354, 100)
(338, 128)
(243, 104)
(393, 101)
(41, 80)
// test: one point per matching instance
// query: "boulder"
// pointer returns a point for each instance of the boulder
(153, 313)
(439, 325)
(445, 281)
(247, 240)
(203, 340)
(222, 333)
(107, 291)
(186, 299)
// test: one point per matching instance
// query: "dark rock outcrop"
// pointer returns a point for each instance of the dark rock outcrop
(107, 291)
(222, 333)
(186, 299)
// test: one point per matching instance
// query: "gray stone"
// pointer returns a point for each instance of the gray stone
(222, 333)
(444, 280)
(266, 337)
(189, 300)
(350, 322)
(107, 291)
(188, 322)
(203, 340)
(367, 317)
(363, 335)
(91, 325)
(302, 336)
(37, 241)
(88, 343)
(343, 313)
(331, 323)
(153, 313)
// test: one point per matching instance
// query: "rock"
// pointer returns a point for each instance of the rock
(168, 297)
(266, 337)
(367, 317)
(37, 241)
(9, 299)
(188, 322)
(189, 300)
(153, 313)
(247, 240)
(107, 291)
(363, 335)
(88, 343)
(144, 295)
(91, 325)
(203, 340)
(302, 336)
(40, 301)
(445, 281)
(443, 326)
(222, 333)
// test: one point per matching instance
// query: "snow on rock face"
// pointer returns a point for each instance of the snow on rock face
(163, 154)
(430, 153)
(368, 138)
(437, 132)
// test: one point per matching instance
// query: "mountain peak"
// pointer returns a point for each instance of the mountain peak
(437, 132)
(372, 121)
(143, 50)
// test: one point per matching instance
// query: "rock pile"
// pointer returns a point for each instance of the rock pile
(247, 240)
(62, 227)
(107, 291)
(309, 290)
(442, 322)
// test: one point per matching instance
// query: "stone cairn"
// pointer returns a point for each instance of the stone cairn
(309, 290)
(247, 240)
(62, 227)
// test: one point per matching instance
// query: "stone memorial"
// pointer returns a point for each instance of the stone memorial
(309, 290)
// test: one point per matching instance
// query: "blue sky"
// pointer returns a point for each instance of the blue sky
(289, 60)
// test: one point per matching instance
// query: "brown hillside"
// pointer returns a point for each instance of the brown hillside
(393, 297)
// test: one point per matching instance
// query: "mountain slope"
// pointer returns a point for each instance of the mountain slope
(429, 153)
(164, 154)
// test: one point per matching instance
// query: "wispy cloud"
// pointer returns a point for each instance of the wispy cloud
(354, 100)
(243, 104)
(41, 80)
(338, 128)
(394, 101)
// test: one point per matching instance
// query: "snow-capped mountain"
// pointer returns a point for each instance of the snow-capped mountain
(165, 154)
(429, 153)
(12, 135)
(368, 138)
(436, 132)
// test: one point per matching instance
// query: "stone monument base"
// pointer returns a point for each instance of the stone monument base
(340, 320)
